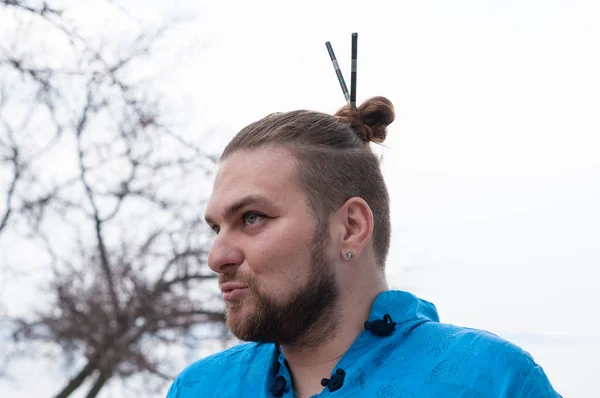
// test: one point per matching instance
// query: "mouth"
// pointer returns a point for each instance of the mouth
(233, 292)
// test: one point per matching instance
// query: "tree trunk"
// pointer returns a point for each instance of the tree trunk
(76, 382)
(100, 382)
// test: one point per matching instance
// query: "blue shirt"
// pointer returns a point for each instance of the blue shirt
(420, 357)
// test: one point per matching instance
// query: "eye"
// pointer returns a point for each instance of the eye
(215, 229)
(252, 218)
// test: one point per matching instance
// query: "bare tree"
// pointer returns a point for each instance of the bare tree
(91, 171)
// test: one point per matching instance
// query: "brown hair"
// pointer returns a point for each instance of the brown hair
(335, 162)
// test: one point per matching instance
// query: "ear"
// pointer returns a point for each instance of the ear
(355, 226)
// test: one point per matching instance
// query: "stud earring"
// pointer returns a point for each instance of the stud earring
(349, 255)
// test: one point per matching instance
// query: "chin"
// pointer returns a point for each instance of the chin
(236, 314)
(234, 311)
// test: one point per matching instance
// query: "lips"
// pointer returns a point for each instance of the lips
(229, 286)
(232, 291)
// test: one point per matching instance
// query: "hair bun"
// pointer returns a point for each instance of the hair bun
(370, 120)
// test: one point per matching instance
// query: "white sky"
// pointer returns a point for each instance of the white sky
(492, 162)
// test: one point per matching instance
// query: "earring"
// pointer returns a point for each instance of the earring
(349, 255)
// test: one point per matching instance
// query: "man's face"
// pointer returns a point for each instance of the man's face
(274, 261)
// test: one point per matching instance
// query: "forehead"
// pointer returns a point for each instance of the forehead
(268, 172)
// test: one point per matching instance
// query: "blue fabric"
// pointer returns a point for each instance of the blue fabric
(421, 358)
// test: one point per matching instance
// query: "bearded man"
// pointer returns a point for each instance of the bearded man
(302, 221)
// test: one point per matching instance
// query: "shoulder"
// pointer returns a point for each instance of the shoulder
(220, 361)
(496, 362)
(455, 339)
(232, 363)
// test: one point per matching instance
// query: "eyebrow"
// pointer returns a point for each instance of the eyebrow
(240, 204)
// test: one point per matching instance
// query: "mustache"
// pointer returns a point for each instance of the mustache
(224, 278)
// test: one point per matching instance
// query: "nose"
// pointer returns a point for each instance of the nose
(224, 256)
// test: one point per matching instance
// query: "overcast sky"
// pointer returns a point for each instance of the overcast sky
(492, 163)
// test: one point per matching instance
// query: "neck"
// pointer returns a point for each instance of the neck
(310, 363)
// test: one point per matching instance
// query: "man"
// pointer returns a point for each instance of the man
(301, 215)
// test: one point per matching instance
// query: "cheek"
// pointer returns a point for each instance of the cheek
(279, 261)
(280, 243)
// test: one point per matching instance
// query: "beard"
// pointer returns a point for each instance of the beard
(308, 316)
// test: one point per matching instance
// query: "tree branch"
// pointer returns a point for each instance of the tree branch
(76, 381)
(103, 377)
(16, 165)
(104, 260)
